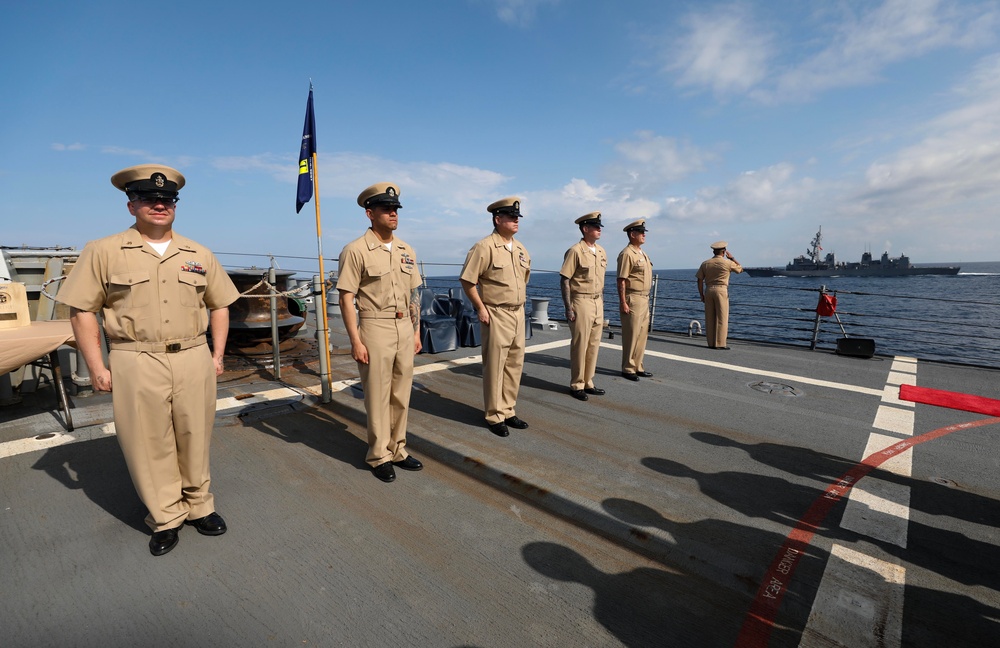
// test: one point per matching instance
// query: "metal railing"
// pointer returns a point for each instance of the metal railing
(962, 331)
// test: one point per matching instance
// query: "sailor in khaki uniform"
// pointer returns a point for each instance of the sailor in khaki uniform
(635, 278)
(157, 291)
(379, 276)
(714, 274)
(500, 266)
(582, 282)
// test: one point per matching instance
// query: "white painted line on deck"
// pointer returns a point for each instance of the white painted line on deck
(861, 595)
(904, 365)
(859, 601)
(900, 464)
(894, 420)
(879, 509)
(341, 385)
(234, 403)
(227, 405)
(868, 391)
(890, 396)
(46, 441)
(899, 378)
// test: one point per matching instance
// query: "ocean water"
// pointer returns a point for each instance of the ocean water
(932, 317)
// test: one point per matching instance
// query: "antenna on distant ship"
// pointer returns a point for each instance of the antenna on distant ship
(815, 243)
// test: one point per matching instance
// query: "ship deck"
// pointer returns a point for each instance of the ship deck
(672, 511)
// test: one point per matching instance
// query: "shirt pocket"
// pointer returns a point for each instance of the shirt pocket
(498, 269)
(373, 279)
(192, 288)
(128, 290)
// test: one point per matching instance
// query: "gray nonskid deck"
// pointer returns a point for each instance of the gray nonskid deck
(643, 517)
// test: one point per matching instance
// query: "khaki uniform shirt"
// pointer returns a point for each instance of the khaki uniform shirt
(585, 269)
(146, 297)
(715, 271)
(635, 267)
(502, 274)
(382, 280)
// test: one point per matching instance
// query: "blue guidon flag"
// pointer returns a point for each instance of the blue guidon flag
(305, 189)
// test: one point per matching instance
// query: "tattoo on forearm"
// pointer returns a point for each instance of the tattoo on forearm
(415, 308)
(564, 284)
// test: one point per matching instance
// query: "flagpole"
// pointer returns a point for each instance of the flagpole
(326, 377)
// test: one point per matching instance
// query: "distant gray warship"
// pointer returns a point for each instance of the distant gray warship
(810, 265)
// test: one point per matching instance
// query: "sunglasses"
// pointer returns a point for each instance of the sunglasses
(167, 202)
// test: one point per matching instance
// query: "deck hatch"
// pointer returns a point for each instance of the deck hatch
(775, 389)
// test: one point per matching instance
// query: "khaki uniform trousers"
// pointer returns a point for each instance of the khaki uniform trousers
(164, 407)
(717, 315)
(387, 380)
(635, 331)
(586, 339)
(503, 360)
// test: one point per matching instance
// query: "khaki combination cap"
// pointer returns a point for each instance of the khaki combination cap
(383, 193)
(636, 226)
(149, 180)
(509, 206)
(720, 245)
(593, 218)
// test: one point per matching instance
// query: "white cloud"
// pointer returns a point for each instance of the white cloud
(120, 150)
(769, 193)
(650, 162)
(723, 50)
(954, 167)
(520, 13)
(731, 51)
(863, 45)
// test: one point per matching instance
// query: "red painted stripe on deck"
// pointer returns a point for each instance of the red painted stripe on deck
(759, 621)
(951, 400)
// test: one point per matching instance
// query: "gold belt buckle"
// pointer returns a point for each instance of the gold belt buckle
(173, 347)
(399, 314)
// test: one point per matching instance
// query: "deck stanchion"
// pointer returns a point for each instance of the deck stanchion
(812, 345)
(272, 279)
(652, 306)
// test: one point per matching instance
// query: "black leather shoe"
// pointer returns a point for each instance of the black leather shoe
(630, 376)
(163, 541)
(644, 374)
(499, 429)
(212, 524)
(596, 391)
(722, 348)
(410, 463)
(384, 472)
(516, 423)
(578, 394)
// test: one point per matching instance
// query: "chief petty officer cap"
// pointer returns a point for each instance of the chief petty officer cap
(636, 226)
(593, 218)
(383, 193)
(720, 245)
(509, 206)
(150, 180)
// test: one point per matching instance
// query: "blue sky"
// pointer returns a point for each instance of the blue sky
(755, 122)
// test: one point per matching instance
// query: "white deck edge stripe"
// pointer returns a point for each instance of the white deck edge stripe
(854, 583)
(872, 617)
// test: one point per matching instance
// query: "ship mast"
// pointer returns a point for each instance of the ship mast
(815, 247)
